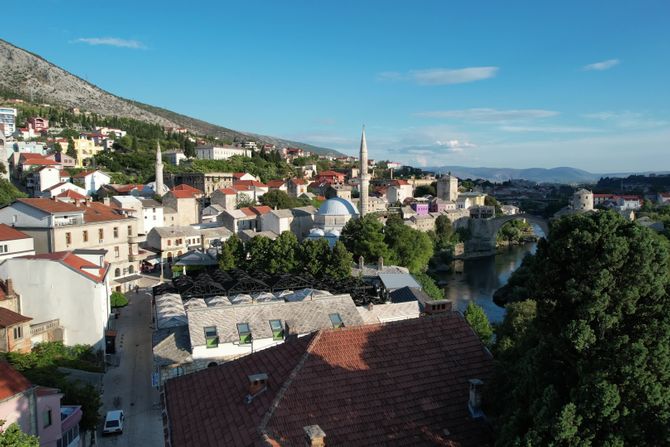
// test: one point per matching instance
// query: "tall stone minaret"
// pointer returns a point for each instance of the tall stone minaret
(159, 170)
(364, 177)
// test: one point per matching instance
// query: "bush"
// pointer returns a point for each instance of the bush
(428, 285)
(118, 299)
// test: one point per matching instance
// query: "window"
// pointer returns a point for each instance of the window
(169, 242)
(3, 249)
(116, 232)
(336, 319)
(85, 235)
(245, 333)
(211, 337)
(101, 234)
(116, 252)
(68, 238)
(18, 332)
(130, 230)
(46, 418)
(277, 330)
(117, 273)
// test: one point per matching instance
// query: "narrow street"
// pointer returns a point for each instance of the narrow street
(127, 386)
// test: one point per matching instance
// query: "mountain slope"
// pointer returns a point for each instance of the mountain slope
(28, 75)
(540, 175)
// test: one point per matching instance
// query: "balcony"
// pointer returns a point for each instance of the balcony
(136, 239)
(141, 255)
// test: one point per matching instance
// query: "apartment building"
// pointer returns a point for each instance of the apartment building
(58, 226)
(220, 152)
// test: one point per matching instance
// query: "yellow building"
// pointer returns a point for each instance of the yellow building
(85, 149)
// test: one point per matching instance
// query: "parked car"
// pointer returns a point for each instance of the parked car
(113, 422)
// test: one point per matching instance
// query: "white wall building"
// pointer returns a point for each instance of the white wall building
(7, 120)
(91, 181)
(68, 286)
(220, 152)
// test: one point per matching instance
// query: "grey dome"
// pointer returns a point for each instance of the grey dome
(337, 206)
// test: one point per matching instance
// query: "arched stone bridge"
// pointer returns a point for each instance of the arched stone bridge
(483, 231)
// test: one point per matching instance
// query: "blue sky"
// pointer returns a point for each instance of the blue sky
(507, 84)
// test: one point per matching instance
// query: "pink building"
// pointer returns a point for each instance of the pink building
(37, 410)
(38, 124)
(420, 208)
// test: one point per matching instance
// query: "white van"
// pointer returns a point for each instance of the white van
(113, 422)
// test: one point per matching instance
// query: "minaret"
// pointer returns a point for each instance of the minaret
(159, 170)
(364, 177)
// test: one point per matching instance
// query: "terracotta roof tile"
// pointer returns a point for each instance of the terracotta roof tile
(228, 191)
(275, 183)
(185, 187)
(401, 383)
(8, 233)
(250, 183)
(181, 194)
(50, 206)
(10, 318)
(12, 382)
(69, 193)
(73, 261)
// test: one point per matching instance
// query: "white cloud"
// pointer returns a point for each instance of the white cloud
(111, 41)
(489, 115)
(548, 129)
(440, 76)
(455, 145)
(627, 119)
(602, 65)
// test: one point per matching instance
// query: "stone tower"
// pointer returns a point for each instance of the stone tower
(447, 188)
(364, 177)
(159, 170)
(582, 200)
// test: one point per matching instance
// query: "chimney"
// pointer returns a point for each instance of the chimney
(257, 384)
(9, 285)
(475, 400)
(314, 436)
(361, 262)
(106, 201)
(380, 263)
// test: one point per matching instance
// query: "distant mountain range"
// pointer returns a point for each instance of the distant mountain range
(540, 175)
(28, 75)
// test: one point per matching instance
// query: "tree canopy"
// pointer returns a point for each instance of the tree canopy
(479, 322)
(365, 237)
(12, 436)
(587, 361)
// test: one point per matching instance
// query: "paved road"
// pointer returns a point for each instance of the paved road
(130, 382)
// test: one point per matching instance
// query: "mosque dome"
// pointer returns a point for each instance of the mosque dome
(337, 206)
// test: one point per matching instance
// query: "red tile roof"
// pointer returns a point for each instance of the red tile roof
(298, 181)
(228, 191)
(331, 174)
(275, 183)
(12, 382)
(261, 209)
(99, 212)
(80, 265)
(401, 383)
(69, 193)
(10, 318)
(239, 175)
(50, 206)
(183, 194)
(399, 182)
(250, 183)
(185, 187)
(36, 159)
(124, 188)
(82, 174)
(8, 233)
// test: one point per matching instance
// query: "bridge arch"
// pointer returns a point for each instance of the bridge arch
(483, 231)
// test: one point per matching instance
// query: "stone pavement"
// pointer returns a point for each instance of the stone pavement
(128, 385)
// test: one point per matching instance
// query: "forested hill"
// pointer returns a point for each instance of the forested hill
(28, 76)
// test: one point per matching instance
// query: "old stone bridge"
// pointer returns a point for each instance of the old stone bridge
(483, 232)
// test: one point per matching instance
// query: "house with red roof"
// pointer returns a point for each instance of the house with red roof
(14, 331)
(63, 187)
(296, 187)
(37, 410)
(277, 185)
(14, 243)
(330, 177)
(255, 188)
(73, 291)
(412, 382)
(64, 224)
(185, 201)
(91, 180)
(237, 176)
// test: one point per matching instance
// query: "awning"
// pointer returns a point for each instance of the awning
(126, 279)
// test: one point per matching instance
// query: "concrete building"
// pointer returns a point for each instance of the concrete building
(70, 286)
(447, 188)
(174, 157)
(63, 187)
(14, 243)
(297, 187)
(172, 242)
(57, 226)
(399, 191)
(7, 121)
(91, 181)
(38, 123)
(220, 152)
(467, 200)
(44, 178)
(14, 331)
(206, 182)
(148, 211)
(185, 203)
(86, 149)
(225, 197)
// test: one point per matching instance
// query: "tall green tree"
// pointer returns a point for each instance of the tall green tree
(365, 237)
(283, 254)
(12, 436)
(71, 151)
(591, 366)
(314, 255)
(277, 199)
(339, 263)
(409, 247)
(444, 233)
(260, 252)
(226, 257)
(479, 322)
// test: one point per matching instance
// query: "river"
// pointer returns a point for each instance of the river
(481, 277)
